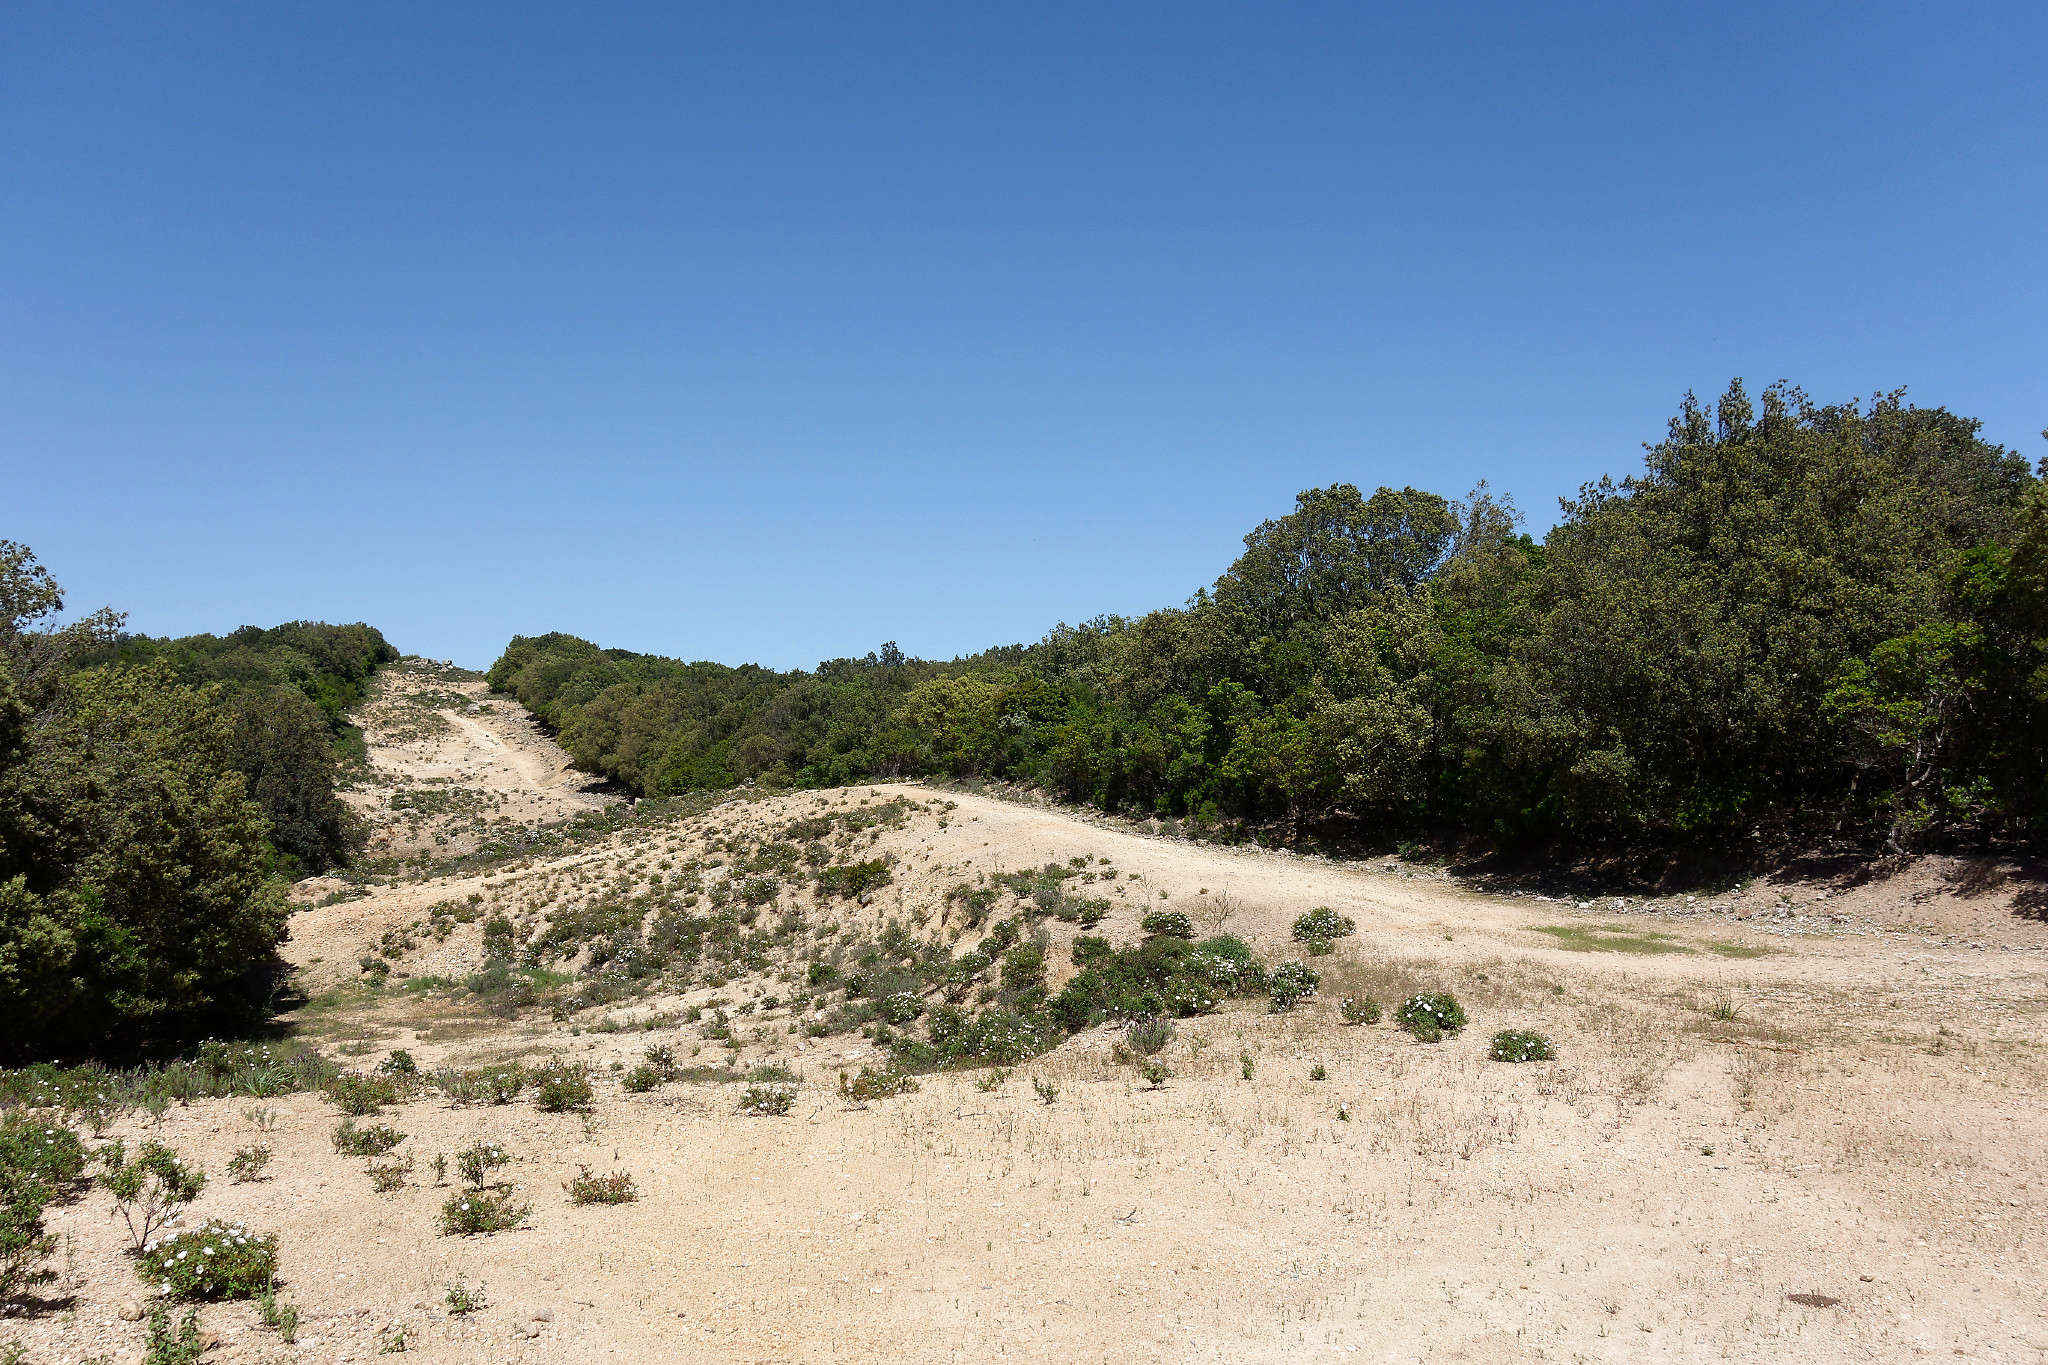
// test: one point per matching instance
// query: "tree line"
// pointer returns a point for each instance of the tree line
(1796, 619)
(154, 796)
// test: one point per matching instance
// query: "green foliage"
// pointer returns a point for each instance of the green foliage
(462, 1300)
(1163, 976)
(357, 1093)
(767, 1101)
(469, 1213)
(150, 1190)
(585, 1187)
(148, 789)
(41, 1162)
(216, 1260)
(1148, 1037)
(1290, 984)
(1520, 1045)
(559, 1087)
(1361, 1009)
(375, 1140)
(1794, 615)
(1168, 924)
(872, 1084)
(476, 1162)
(1430, 1015)
(1322, 924)
(166, 1346)
(854, 880)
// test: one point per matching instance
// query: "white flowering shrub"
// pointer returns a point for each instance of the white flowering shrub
(1520, 1045)
(1321, 925)
(900, 1007)
(1430, 1015)
(216, 1260)
(1290, 984)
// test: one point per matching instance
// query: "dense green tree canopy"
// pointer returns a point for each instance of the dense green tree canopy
(1817, 617)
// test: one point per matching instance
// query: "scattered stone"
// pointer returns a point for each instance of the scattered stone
(130, 1311)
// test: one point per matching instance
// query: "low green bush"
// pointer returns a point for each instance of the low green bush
(473, 1212)
(1168, 924)
(216, 1260)
(1323, 924)
(767, 1101)
(1521, 1045)
(375, 1140)
(1430, 1015)
(587, 1187)
(1359, 1009)
(476, 1162)
(1148, 1037)
(871, 1084)
(357, 1093)
(559, 1087)
(1290, 984)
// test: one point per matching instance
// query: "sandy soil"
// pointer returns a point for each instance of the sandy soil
(1815, 1089)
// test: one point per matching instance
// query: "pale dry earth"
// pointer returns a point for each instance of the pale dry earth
(1821, 1089)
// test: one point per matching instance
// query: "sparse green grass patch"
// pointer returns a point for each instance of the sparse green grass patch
(1598, 938)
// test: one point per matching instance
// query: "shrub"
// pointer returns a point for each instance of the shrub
(151, 1190)
(1430, 1015)
(641, 1079)
(36, 1153)
(462, 1300)
(1361, 1009)
(399, 1063)
(853, 880)
(375, 1140)
(1520, 1045)
(900, 1007)
(1148, 1037)
(588, 1188)
(357, 1094)
(874, 1085)
(559, 1087)
(470, 1212)
(1168, 924)
(388, 1177)
(767, 1101)
(248, 1163)
(1290, 984)
(1024, 967)
(1046, 1091)
(1321, 925)
(215, 1260)
(482, 1085)
(475, 1162)
(1155, 1072)
(1089, 948)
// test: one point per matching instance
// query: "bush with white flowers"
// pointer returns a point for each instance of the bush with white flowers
(216, 1260)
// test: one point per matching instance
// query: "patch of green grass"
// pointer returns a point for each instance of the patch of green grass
(1595, 938)
(1739, 950)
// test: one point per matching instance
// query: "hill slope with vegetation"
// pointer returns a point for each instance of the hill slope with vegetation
(1796, 618)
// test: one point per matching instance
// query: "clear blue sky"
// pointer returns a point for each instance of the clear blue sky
(765, 332)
